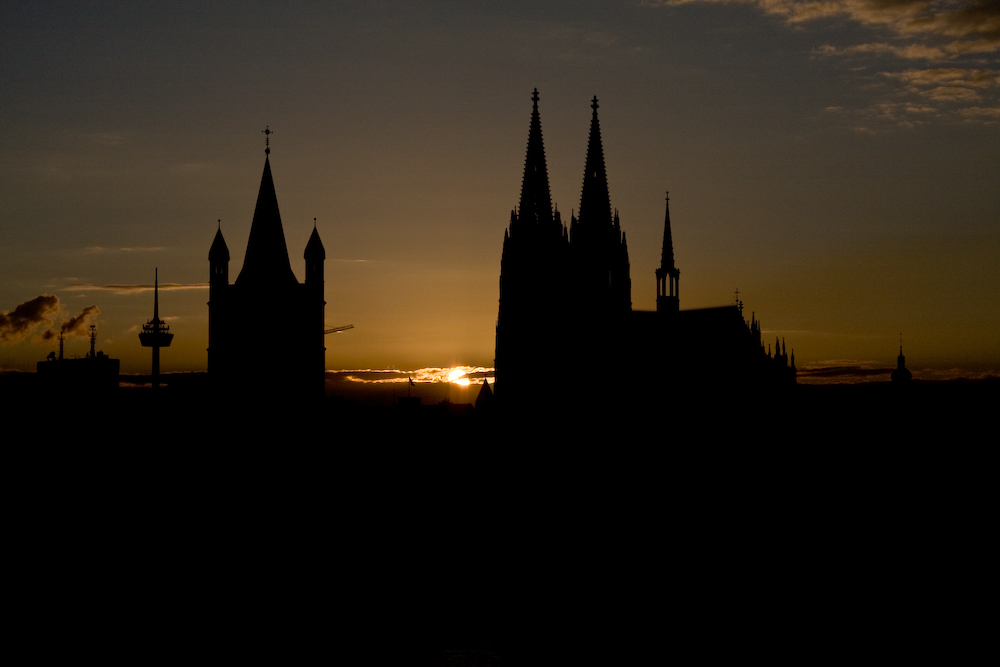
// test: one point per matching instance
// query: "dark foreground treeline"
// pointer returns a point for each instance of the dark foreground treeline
(829, 521)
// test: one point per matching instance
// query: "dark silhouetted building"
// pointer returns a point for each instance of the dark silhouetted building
(265, 331)
(566, 302)
(95, 375)
(902, 374)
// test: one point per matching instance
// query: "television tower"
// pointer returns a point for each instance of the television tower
(155, 333)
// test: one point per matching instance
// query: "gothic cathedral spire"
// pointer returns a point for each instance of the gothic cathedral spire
(595, 202)
(536, 200)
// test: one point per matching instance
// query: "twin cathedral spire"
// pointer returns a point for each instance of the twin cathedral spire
(558, 282)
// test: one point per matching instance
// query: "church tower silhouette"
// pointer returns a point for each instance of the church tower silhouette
(566, 304)
(561, 290)
(533, 273)
(265, 331)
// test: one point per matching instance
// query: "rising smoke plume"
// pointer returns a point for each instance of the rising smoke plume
(15, 325)
(18, 323)
(77, 326)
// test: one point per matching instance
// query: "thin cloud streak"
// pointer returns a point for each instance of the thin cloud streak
(97, 249)
(132, 289)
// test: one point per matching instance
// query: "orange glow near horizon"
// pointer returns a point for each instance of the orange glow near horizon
(457, 375)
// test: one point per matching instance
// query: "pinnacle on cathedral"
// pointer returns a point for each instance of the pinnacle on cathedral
(536, 200)
(595, 202)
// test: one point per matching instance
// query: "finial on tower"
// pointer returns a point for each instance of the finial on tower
(314, 223)
(267, 139)
(594, 106)
(534, 98)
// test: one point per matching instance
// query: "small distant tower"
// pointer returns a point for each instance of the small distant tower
(668, 277)
(902, 374)
(155, 333)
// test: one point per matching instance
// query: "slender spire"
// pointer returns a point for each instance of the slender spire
(595, 202)
(536, 199)
(266, 261)
(156, 293)
(667, 256)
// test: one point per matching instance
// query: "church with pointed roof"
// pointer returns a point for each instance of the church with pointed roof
(265, 330)
(565, 302)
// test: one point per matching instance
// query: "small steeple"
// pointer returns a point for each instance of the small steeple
(314, 247)
(219, 252)
(536, 199)
(667, 254)
(668, 277)
(314, 255)
(595, 202)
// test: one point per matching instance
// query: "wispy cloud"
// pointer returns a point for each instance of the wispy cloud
(98, 249)
(963, 33)
(954, 18)
(132, 289)
(104, 138)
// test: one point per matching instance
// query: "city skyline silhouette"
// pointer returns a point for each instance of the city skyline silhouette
(846, 192)
(832, 165)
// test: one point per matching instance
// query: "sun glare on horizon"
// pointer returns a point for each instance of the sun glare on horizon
(457, 375)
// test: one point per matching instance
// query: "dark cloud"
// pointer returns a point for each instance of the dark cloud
(18, 323)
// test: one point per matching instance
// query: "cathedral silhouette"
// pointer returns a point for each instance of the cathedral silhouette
(286, 360)
(565, 303)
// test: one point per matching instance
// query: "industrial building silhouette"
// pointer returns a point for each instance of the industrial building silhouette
(565, 302)
(286, 360)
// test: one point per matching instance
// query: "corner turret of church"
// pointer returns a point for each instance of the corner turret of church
(314, 255)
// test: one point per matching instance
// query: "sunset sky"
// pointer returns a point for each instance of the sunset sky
(836, 161)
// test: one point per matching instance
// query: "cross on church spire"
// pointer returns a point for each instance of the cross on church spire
(267, 139)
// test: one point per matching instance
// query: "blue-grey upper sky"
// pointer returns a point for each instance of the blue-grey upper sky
(837, 161)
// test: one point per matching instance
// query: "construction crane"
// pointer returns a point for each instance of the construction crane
(338, 329)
